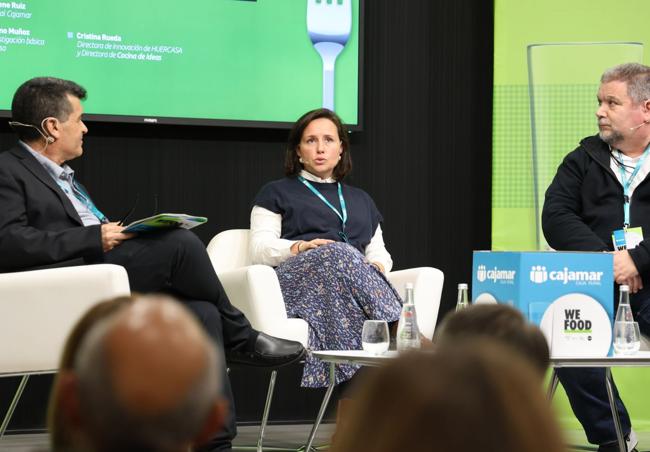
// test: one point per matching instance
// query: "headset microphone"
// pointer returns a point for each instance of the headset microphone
(640, 125)
(49, 139)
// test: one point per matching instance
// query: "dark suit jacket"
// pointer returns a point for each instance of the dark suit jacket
(38, 224)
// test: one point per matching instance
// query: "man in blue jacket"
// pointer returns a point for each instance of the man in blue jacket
(602, 187)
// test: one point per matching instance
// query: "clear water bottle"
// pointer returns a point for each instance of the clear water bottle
(462, 301)
(408, 334)
(627, 338)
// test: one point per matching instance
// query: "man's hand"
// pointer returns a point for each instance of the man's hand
(635, 284)
(112, 236)
(624, 268)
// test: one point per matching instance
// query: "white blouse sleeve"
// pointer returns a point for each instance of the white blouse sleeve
(376, 251)
(266, 246)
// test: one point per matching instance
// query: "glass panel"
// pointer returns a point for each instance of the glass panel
(563, 83)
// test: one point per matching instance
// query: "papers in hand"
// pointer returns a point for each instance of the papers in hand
(165, 221)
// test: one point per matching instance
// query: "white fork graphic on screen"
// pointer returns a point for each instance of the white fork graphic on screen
(329, 23)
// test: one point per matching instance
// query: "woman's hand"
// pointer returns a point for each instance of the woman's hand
(302, 246)
(379, 266)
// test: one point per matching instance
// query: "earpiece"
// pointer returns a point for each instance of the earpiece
(48, 138)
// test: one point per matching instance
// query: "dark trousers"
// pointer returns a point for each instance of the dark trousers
(176, 262)
(585, 388)
(587, 393)
(211, 320)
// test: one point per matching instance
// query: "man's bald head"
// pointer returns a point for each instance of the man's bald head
(147, 378)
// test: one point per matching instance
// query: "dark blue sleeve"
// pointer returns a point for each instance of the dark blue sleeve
(270, 197)
(375, 215)
(375, 218)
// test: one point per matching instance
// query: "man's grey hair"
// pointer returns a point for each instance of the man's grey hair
(113, 427)
(635, 75)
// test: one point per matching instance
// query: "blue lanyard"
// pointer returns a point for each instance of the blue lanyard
(627, 182)
(344, 212)
(83, 197)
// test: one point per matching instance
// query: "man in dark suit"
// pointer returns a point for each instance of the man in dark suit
(49, 219)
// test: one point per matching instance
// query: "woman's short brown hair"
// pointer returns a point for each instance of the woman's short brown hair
(292, 166)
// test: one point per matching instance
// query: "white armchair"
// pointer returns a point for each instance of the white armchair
(255, 290)
(37, 311)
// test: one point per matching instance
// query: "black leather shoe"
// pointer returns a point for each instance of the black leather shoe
(612, 447)
(268, 351)
(631, 442)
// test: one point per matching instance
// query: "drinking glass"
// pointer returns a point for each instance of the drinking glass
(374, 337)
(627, 338)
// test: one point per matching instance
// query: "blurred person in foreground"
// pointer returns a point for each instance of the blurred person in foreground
(146, 378)
(501, 323)
(476, 395)
(59, 432)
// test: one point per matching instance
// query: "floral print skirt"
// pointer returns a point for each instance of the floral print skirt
(335, 290)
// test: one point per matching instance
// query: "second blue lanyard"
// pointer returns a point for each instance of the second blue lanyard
(83, 197)
(627, 183)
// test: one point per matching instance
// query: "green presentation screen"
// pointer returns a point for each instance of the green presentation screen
(231, 62)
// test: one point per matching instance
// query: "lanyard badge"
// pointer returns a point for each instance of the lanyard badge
(628, 238)
(627, 183)
(343, 215)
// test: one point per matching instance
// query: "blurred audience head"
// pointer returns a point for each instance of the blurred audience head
(292, 165)
(476, 395)
(59, 433)
(145, 378)
(500, 322)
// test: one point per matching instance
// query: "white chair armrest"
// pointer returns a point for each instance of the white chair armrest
(38, 309)
(255, 291)
(427, 290)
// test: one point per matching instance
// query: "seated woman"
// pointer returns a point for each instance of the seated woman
(324, 239)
